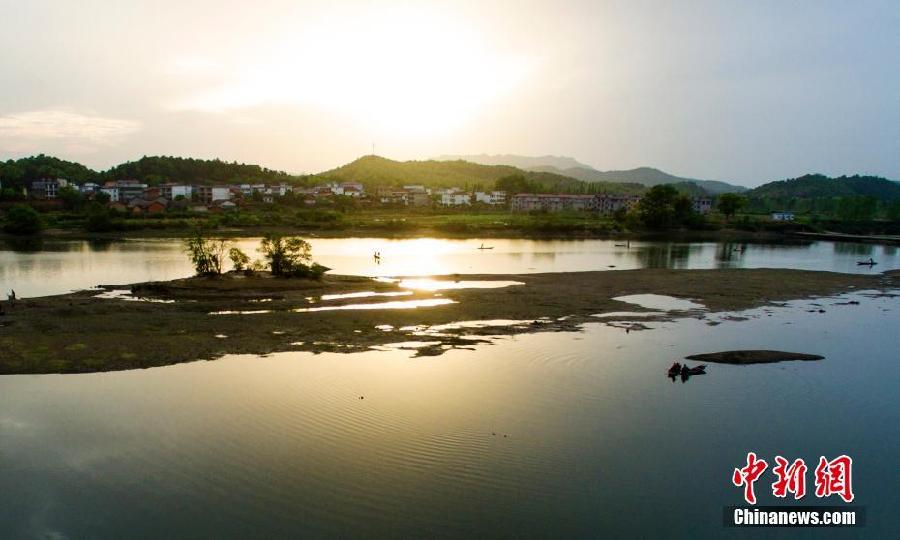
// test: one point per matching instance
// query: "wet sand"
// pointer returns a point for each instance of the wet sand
(82, 333)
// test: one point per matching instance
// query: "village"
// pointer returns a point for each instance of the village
(135, 197)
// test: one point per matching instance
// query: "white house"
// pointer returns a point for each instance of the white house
(701, 205)
(455, 197)
(112, 191)
(490, 197)
(183, 190)
(782, 216)
(221, 193)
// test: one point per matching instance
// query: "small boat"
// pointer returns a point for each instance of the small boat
(482, 246)
(696, 370)
(870, 262)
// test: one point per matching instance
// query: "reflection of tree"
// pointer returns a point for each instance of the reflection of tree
(850, 248)
(664, 255)
(728, 252)
(27, 244)
(544, 256)
(100, 244)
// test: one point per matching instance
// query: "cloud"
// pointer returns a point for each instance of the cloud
(61, 124)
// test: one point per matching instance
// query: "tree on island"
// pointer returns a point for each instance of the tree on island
(206, 254)
(730, 203)
(284, 256)
(291, 256)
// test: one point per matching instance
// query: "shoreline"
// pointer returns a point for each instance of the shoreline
(196, 318)
(510, 234)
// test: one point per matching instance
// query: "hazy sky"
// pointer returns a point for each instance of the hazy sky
(746, 91)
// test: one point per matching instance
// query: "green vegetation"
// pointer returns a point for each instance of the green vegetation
(155, 170)
(730, 203)
(664, 208)
(290, 257)
(374, 171)
(566, 166)
(284, 256)
(239, 259)
(18, 174)
(22, 220)
(853, 198)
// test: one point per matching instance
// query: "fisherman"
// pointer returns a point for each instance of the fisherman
(12, 295)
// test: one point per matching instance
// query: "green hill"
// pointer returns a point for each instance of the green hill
(566, 166)
(817, 186)
(375, 171)
(852, 198)
(647, 176)
(18, 173)
(157, 169)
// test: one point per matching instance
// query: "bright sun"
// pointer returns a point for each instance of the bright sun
(395, 73)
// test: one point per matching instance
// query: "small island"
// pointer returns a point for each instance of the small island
(297, 306)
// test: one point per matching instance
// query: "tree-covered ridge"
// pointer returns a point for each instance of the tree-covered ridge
(16, 174)
(158, 169)
(376, 171)
(853, 198)
(815, 186)
(566, 166)
(19, 173)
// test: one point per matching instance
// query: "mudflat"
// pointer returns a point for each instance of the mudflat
(159, 323)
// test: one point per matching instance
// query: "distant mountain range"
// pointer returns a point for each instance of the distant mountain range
(567, 166)
(520, 162)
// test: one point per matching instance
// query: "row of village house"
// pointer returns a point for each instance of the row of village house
(138, 197)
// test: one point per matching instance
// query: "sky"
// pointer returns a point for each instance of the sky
(747, 92)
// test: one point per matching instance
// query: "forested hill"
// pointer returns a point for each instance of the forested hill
(156, 169)
(378, 171)
(566, 166)
(647, 176)
(153, 170)
(817, 186)
(18, 173)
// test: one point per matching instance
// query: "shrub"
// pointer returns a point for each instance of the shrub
(239, 259)
(99, 220)
(23, 220)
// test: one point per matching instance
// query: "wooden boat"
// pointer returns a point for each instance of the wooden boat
(866, 263)
(482, 246)
(696, 370)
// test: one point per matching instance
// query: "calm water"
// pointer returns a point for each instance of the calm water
(546, 435)
(55, 267)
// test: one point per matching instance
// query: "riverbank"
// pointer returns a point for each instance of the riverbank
(729, 235)
(155, 324)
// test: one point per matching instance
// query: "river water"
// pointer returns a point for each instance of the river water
(563, 434)
(56, 267)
